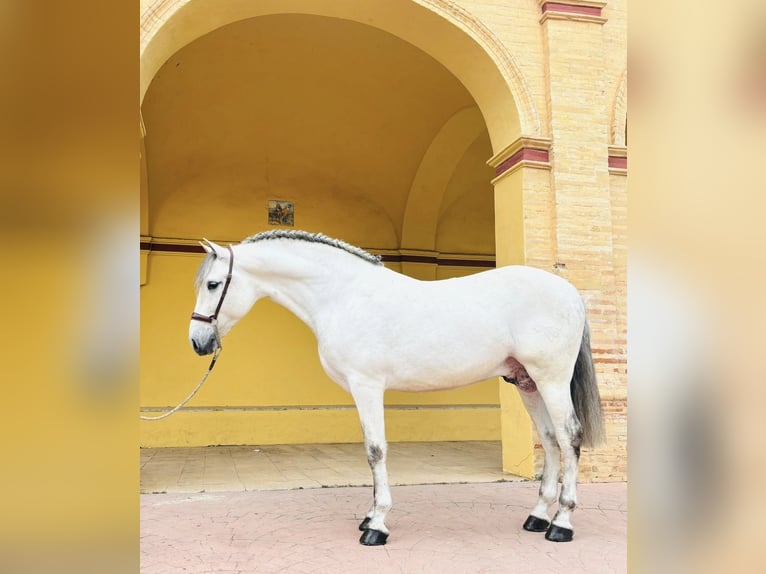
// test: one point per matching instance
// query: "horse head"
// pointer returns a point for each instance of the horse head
(223, 298)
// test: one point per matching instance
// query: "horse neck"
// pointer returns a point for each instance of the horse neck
(303, 277)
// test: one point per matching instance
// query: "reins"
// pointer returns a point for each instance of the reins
(213, 320)
(194, 392)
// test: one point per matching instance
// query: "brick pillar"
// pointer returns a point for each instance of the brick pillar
(579, 125)
(580, 179)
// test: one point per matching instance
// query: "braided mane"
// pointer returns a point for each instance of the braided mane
(314, 238)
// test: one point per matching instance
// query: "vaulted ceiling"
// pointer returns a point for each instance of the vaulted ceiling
(349, 122)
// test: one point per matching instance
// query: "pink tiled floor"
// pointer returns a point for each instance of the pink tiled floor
(434, 528)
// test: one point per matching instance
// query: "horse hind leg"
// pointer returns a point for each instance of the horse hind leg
(568, 434)
(539, 520)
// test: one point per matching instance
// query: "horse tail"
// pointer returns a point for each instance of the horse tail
(585, 396)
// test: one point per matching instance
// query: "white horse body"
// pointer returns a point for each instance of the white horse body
(421, 336)
(378, 330)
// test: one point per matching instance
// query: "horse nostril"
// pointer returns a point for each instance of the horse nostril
(195, 345)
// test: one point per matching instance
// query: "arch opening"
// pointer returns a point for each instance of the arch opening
(279, 107)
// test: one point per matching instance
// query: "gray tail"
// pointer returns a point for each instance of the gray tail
(585, 397)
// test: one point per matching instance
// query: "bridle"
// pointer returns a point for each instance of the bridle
(213, 319)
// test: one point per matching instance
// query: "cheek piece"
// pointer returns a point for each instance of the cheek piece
(213, 319)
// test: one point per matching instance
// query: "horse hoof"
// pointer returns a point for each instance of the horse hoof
(535, 524)
(373, 538)
(363, 525)
(559, 534)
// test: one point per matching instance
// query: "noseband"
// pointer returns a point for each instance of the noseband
(213, 319)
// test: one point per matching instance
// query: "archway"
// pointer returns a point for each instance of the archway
(348, 183)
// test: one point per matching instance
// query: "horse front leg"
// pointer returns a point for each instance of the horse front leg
(369, 404)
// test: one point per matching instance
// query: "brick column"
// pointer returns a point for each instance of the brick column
(580, 177)
(579, 127)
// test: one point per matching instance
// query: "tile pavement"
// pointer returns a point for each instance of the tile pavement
(442, 528)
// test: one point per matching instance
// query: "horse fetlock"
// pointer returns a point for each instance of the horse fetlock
(377, 523)
(562, 518)
(541, 508)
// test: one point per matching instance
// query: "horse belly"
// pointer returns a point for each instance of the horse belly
(430, 376)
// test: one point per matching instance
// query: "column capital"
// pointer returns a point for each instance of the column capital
(524, 152)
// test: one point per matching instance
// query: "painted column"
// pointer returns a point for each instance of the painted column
(523, 235)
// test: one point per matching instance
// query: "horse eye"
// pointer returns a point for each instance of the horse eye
(212, 285)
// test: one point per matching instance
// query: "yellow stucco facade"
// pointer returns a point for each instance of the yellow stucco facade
(447, 136)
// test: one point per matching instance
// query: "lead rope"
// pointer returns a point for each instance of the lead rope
(199, 385)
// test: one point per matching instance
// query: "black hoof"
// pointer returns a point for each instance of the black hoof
(535, 524)
(363, 525)
(373, 538)
(559, 534)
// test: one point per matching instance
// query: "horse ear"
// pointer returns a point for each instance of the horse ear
(211, 247)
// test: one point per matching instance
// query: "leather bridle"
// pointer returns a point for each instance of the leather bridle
(213, 319)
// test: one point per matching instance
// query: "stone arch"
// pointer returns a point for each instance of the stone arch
(421, 215)
(440, 28)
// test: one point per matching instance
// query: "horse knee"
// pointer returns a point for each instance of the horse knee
(375, 454)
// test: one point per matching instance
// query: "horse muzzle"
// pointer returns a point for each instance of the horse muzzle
(204, 347)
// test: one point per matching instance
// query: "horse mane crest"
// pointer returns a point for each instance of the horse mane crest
(314, 238)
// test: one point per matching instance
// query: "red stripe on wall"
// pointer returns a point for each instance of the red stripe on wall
(618, 162)
(524, 154)
(571, 9)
